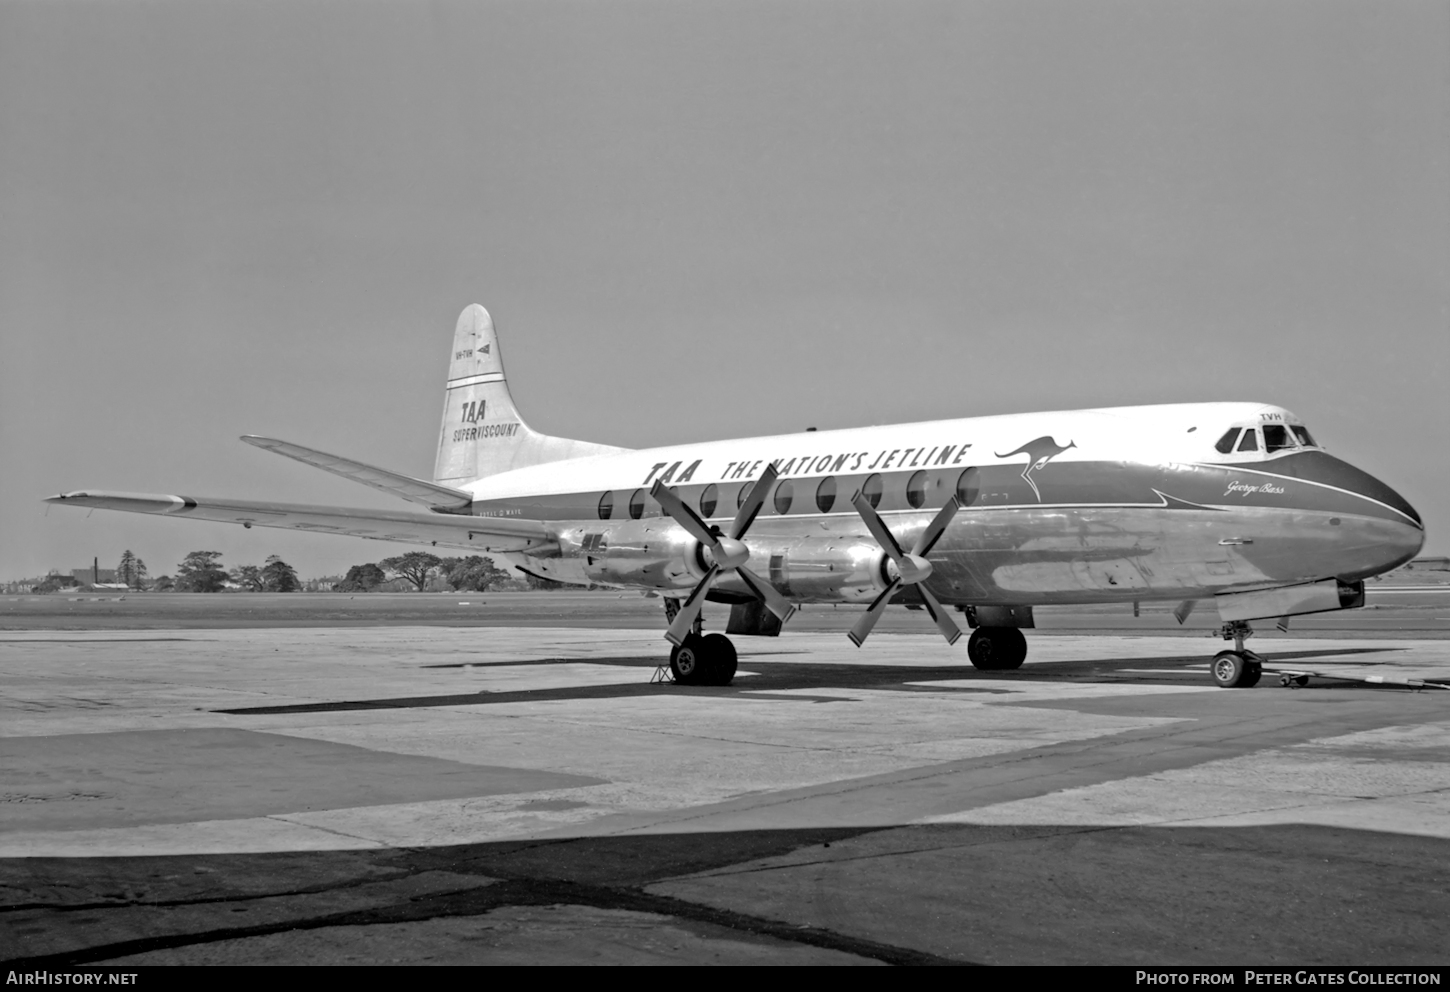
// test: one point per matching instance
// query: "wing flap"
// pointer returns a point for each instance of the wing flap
(479, 534)
(415, 490)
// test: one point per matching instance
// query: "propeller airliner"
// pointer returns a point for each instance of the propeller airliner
(1233, 503)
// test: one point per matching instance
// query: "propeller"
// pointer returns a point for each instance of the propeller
(728, 553)
(911, 569)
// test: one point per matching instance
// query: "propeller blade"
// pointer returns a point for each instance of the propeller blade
(944, 622)
(877, 526)
(684, 621)
(745, 516)
(936, 528)
(681, 513)
(861, 629)
(774, 601)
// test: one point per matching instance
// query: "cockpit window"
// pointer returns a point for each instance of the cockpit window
(1276, 438)
(1302, 433)
(1250, 441)
(1226, 443)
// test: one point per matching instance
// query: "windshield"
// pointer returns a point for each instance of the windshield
(1276, 438)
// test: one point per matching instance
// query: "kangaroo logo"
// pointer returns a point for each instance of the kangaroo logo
(1039, 452)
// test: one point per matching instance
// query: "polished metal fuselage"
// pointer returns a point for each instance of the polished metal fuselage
(1119, 532)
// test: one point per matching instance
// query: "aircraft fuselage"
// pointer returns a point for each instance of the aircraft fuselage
(1074, 507)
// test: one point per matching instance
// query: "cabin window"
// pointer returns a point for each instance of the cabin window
(636, 505)
(916, 490)
(784, 493)
(606, 506)
(744, 494)
(872, 491)
(1276, 438)
(1250, 441)
(1226, 443)
(969, 486)
(1302, 433)
(826, 494)
(709, 499)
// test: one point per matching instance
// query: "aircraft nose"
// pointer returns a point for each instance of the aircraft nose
(1400, 538)
(1381, 530)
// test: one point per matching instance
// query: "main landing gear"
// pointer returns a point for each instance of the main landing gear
(1239, 668)
(703, 659)
(707, 659)
(997, 649)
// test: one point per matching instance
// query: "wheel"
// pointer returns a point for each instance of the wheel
(719, 659)
(687, 661)
(1232, 670)
(997, 649)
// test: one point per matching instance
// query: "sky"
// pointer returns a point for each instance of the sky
(696, 220)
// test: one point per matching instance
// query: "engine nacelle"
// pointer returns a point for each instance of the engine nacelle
(655, 553)
(821, 570)
(661, 554)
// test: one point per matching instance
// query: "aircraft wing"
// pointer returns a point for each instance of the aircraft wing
(450, 530)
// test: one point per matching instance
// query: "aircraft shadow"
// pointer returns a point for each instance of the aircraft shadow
(775, 676)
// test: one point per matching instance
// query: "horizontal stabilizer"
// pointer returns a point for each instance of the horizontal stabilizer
(450, 530)
(415, 490)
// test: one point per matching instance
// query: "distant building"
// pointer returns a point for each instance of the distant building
(92, 576)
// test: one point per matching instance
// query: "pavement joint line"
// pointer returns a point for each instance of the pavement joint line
(283, 818)
(846, 787)
(481, 899)
(1052, 830)
(310, 890)
(1074, 748)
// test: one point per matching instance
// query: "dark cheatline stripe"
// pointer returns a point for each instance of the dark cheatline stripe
(1318, 466)
(1204, 486)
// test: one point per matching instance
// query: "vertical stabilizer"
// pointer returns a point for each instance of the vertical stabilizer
(482, 432)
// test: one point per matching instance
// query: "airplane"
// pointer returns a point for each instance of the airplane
(1234, 503)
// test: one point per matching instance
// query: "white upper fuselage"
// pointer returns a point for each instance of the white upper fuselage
(1183, 432)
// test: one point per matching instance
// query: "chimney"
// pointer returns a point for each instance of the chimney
(95, 570)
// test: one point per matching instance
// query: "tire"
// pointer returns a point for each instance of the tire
(720, 659)
(1231, 670)
(1253, 674)
(997, 649)
(689, 662)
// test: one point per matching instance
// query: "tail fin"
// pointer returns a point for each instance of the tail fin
(482, 431)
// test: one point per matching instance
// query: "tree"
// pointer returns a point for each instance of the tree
(131, 570)
(474, 573)
(201, 571)
(415, 566)
(361, 578)
(278, 576)
(163, 583)
(249, 577)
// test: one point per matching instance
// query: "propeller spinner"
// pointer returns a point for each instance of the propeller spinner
(727, 553)
(911, 569)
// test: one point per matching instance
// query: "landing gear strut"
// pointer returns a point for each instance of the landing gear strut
(1239, 668)
(997, 649)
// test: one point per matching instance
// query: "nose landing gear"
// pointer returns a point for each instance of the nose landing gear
(1239, 668)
